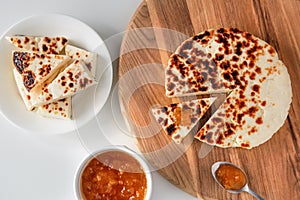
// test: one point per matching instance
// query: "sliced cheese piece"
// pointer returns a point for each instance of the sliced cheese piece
(178, 119)
(36, 68)
(89, 58)
(248, 67)
(45, 45)
(73, 79)
(61, 109)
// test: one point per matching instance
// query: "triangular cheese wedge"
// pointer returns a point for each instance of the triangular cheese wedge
(36, 68)
(178, 119)
(246, 67)
(73, 79)
(89, 58)
(61, 109)
(45, 45)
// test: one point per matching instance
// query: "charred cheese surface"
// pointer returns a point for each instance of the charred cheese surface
(230, 60)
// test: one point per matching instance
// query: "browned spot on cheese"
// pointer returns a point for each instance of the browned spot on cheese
(171, 129)
(256, 88)
(209, 137)
(45, 70)
(252, 76)
(252, 111)
(227, 76)
(217, 120)
(170, 86)
(64, 41)
(28, 79)
(47, 39)
(252, 130)
(160, 120)
(258, 70)
(271, 50)
(245, 145)
(21, 61)
(26, 40)
(219, 57)
(259, 120)
(45, 48)
(242, 104)
(176, 137)
(83, 82)
(220, 139)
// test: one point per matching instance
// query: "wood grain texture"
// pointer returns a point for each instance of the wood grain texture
(273, 168)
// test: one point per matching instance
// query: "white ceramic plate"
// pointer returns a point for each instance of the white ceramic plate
(86, 105)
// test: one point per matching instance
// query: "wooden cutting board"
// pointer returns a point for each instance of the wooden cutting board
(273, 168)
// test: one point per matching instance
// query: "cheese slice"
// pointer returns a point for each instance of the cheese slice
(61, 109)
(247, 67)
(36, 68)
(72, 80)
(45, 45)
(89, 58)
(178, 119)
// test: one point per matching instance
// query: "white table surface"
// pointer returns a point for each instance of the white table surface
(41, 167)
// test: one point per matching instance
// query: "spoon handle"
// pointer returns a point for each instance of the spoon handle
(254, 194)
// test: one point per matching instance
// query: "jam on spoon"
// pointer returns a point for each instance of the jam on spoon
(231, 178)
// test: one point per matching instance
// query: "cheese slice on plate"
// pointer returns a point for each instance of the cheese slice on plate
(89, 58)
(230, 60)
(72, 80)
(61, 109)
(45, 45)
(178, 119)
(36, 68)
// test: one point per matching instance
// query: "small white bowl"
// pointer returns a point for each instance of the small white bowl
(124, 149)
